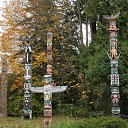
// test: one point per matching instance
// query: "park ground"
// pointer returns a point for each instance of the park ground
(15, 122)
(66, 122)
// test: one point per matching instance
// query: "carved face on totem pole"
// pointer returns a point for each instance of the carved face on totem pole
(113, 53)
(28, 53)
(112, 34)
(47, 79)
(49, 46)
(114, 79)
(49, 69)
(113, 47)
(115, 99)
(48, 112)
(113, 24)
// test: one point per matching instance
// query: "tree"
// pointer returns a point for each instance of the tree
(3, 89)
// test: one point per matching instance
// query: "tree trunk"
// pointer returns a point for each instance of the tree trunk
(93, 30)
(80, 23)
(3, 89)
(87, 31)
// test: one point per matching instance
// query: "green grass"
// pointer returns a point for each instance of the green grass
(19, 123)
(16, 122)
(65, 122)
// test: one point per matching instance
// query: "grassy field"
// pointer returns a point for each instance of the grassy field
(34, 123)
(66, 122)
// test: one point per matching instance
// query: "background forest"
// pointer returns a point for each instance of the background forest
(81, 63)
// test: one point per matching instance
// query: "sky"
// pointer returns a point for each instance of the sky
(1, 4)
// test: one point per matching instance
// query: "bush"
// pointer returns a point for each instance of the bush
(101, 122)
(80, 112)
(63, 125)
(105, 122)
(85, 124)
(71, 110)
(113, 122)
(96, 114)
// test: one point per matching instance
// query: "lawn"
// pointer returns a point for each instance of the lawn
(66, 122)
(16, 122)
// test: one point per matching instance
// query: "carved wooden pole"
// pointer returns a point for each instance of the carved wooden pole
(48, 84)
(114, 64)
(3, 89)
(27, 109)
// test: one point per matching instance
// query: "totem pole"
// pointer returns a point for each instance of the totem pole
(49, 87)
(48, 83)
(114, 65)
(27, 110)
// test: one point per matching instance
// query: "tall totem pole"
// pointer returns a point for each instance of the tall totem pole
(49, 87)
(27, 110)
(48, 83)
(114, 65)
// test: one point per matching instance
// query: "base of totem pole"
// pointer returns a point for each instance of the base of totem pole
(120, 115)
(27, 116)
(1, 115)
(124, 116)
(47, 122)
(116, 115)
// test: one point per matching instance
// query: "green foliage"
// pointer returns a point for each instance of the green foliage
(113, 123)
(72, 111)
(95, 64)
(15, 98)
(15, 104)
(123, 70)
(37, 105)
(103, 122)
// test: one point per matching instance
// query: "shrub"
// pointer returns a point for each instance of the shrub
(96, 114)
(80, 112)
(71, 110)
(101, 122)
(113, 122)
(84, 125)
(63, 125)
